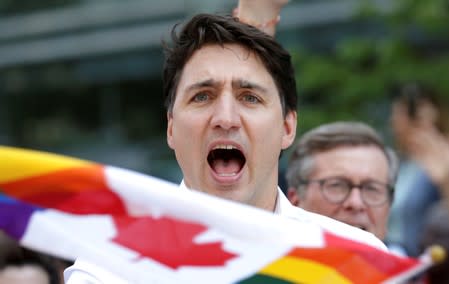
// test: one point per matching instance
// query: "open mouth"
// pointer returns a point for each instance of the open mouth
(226, 160)
(357, 225)
(361, 227)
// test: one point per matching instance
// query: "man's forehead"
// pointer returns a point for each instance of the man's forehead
(236, 83)
(353, 157)
(210, 47)
(212, 64)
(217, 51)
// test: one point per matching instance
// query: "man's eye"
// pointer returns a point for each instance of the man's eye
(250, 98)
(201, 97)
(337, 184)
(373, 187)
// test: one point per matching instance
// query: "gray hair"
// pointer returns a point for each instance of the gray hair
(330, 136)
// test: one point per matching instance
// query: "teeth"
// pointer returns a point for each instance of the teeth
(227, 175)
(225, 147)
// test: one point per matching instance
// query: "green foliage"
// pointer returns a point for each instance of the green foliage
(354, 80)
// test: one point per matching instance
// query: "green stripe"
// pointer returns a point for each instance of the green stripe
(263, 279)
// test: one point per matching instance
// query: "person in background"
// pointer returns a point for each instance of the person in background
(19, 265)
(420, 123)
(344, 170)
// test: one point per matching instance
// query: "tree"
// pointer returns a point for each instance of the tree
(353, 79)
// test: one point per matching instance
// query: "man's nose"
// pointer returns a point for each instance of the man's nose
(355, 200)
(226, 113)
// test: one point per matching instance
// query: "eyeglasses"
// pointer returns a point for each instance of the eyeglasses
(337, 190)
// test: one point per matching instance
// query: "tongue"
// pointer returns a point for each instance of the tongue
(226, 167)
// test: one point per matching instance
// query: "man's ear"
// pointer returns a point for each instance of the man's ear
(290, 122)
(293, 196)
(170, 130)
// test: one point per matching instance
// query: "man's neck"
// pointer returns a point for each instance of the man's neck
(272, 205)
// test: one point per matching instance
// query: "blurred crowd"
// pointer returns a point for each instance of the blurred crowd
(420, 214)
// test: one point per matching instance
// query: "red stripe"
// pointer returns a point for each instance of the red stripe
(80, 190)
(383, 261)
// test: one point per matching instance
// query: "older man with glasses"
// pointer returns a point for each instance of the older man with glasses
(344, 170)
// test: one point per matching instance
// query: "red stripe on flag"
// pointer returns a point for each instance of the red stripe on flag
(80, 190)
(386, 263)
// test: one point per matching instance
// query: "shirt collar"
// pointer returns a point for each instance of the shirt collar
(282, 204)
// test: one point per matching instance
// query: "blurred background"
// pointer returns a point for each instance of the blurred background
(83, 77)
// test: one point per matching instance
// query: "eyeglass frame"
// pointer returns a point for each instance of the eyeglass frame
(351, 185)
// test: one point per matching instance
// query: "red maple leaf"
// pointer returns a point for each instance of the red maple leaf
(169, 241)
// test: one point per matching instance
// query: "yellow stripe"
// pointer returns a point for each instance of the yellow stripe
(17, 163)
(303, 271)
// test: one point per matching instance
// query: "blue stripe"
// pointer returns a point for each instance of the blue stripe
(14, 216)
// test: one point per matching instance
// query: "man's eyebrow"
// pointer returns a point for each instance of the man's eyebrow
(245, 84)
(202, 84)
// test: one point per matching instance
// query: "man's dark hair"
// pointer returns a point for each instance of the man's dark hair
(206, 29)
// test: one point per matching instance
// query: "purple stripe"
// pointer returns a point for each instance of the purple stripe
(14, 216)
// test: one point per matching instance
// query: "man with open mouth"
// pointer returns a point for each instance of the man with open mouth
(231, 101)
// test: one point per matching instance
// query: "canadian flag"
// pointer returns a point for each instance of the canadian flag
(146, 230)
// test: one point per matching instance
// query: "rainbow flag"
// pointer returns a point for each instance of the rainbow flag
(143, 228)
